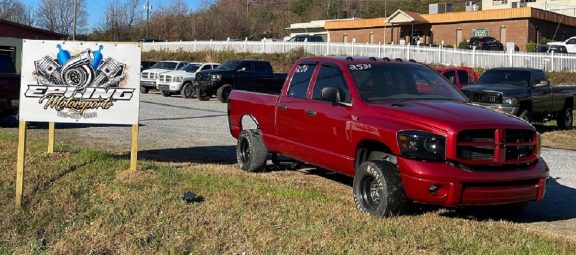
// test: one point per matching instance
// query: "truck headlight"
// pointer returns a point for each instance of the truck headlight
(422, 145)
(216, 77)
(539, 145)
(178, 79)
(509, 100)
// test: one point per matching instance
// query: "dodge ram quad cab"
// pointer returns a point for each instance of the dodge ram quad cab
(252, 75)
(400, 129)
(180, 81)
(9, 86)
(148, 77)
(524, 92)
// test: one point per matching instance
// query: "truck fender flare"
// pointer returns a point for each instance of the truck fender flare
(249, 122)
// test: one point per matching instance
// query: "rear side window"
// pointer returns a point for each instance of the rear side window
(301, 80)
(451, 76)
(331, 76)
(259, 67)
(463, 77)
(539, 76)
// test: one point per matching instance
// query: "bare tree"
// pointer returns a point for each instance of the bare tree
(58, 16)
(16, 11)
(122, 18)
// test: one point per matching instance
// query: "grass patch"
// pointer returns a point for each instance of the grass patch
(85, 202)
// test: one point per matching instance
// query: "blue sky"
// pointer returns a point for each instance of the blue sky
(96, 8)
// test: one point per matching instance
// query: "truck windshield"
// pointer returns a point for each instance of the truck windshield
(398, 82)
(229, 65)
(506, 77)
(190, 68)
(165, 65)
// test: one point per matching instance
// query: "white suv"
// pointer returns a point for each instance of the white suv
(149, 76)
(180, 81)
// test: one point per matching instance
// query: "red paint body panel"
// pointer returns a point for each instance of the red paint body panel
(330, 139)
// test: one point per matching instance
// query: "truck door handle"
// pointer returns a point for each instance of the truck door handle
(283, 107)
(311, 112)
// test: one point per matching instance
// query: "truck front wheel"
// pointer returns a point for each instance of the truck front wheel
(565, 119)
(143, 90)
(202, 95)
(224, 92)
(187, 91)
(251, 152)
(378, 189)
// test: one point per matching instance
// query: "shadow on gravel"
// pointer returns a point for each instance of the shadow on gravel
(541, 128)
(558, 204)
(12, 122)
(202, 154)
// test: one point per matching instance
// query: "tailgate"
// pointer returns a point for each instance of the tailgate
(258, 106)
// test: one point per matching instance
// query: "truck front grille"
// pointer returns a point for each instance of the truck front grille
(202, 77)
(165, 78)
(497, 146)
(487, 97)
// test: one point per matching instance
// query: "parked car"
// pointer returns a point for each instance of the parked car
(253, 75)
(181, 80)
(485, 43)
(526, 93)
(551, 49)
(148, 77)
(459, 76)
(306, 38)
(9, 86)
(146, 65)
(569, 44)
(367, 118)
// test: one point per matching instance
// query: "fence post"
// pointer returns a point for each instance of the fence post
(407, 51)
(328, 48)
(353, 45)
(510, 56)
(552, 61)
(379, 50)
(473, 56)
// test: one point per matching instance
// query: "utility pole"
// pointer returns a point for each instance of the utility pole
(148, 7)
(75, 14)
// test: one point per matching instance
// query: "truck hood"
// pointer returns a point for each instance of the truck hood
(180, 73)
(505, 89)
(556, 43)
(449, 116)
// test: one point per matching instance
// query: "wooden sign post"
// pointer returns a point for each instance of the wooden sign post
(50, 137)
(20, 163)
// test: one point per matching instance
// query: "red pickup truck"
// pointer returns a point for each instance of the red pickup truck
(9, 86)
(397, 127)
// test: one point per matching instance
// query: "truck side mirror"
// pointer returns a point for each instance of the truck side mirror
(542, 84)
(242, 69)
(331, 94)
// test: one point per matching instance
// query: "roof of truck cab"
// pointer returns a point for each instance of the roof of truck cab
(357, 60)
(527, 69)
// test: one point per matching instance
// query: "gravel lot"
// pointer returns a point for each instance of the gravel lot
(182, 130)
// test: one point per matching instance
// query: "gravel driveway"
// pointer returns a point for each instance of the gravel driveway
(183, 130)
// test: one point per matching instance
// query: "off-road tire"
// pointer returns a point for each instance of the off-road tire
(251, 152)
(143, 90)
(187, 91)
(526, 115)
(223, 93)
(165, 93)
(378, 189)
(202, 96)
(565, 118)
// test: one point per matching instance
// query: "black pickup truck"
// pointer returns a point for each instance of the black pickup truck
(251, 75)
(526, 93)
(9, 86)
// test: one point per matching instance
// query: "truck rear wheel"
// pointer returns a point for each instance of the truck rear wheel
(526, 115)
(223, 93)
(251, 152)
(378, 189)
(143, 90)
(187, 91)
(565, 119)
(201, 95)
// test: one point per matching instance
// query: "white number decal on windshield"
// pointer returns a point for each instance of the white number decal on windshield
(301, 68)
(360, 67)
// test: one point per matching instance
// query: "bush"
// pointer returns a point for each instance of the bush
(462, 45)
(531, 47)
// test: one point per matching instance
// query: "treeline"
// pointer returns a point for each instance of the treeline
(127, 20)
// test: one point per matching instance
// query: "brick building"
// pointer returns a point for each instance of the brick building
(518, 25)
(11, 35)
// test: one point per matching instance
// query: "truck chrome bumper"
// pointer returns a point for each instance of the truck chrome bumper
(513, 110)
(445, 184)
(169, 86)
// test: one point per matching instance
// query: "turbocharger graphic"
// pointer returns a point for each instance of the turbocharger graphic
(78, 71)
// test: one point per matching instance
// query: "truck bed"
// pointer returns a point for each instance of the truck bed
(260, 105)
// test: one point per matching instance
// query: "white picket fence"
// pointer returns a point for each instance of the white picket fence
(429, 55)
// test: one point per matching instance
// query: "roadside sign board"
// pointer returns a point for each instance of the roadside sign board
(80, 82)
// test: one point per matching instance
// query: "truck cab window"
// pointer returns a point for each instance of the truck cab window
(301, 80)
(463, 77)
(331, 76)
(246, 66)
(259, 67)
